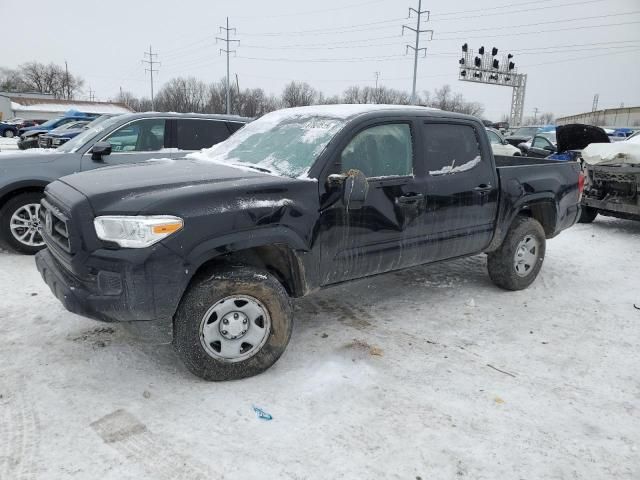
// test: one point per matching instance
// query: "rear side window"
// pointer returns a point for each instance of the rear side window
(199, 134)
(450, 149)
(234, 126)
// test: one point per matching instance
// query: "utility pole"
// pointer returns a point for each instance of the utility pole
(535, 115)
(377, 74)
(151, 61)
(91, 94)
(594, 105)
(227, 41)
(419, 12)
(66, 79)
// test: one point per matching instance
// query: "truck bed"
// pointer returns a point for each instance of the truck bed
(511, 161)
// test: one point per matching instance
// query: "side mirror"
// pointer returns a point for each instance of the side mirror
(504, 142)
(354, 190)
(99, 150)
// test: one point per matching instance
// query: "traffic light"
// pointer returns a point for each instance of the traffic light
(477, 62)
(461, 61)
(512, 65)
(465, 48)
(481, 51)
(496, 64)
(494, 51)
(463, 73)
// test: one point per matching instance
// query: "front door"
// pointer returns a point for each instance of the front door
(461, 189)
(381, 235)
(136, 141)
(540, 147)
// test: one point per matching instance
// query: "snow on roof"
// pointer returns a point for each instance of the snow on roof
(342, 111)
(19, 104)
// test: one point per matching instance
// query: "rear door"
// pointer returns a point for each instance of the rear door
(540, 147)
(136, 141)
(194, 134)
(461, 188)
(382, 235)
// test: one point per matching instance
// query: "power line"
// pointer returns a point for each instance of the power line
(150, 59)
(227, 50)
(416, 49)
(516, 11)
(345, 7)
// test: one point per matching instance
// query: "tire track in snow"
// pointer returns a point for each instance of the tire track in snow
(131, 438)
(19, 434)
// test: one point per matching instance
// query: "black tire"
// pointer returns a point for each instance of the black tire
(28, 143)
(206, 291)
(501, 263)
(8, 133)
(587, 214)
(6, 212)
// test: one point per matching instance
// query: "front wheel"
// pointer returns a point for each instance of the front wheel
(232, 323)
(20, 227)
(516, 264)
(8, 133)
(587, 214)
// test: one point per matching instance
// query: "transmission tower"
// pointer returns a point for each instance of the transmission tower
(594, 105)
(150, 59)
(227, 50)
(417, 30)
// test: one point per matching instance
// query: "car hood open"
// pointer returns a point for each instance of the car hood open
(576, 136)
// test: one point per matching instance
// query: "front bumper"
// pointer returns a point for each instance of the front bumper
(116, 291)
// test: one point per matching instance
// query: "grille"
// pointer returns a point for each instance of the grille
(44, 141)
(600, 176)
(55, 226)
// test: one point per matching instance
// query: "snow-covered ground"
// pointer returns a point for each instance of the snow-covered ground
(8, 144)
(429, 373)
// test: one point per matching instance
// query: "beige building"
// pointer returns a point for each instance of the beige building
(610, 117)
(42, 106)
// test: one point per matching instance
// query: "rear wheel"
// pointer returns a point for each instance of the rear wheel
(587, 214)
(8, 133)
(20, 228)
(516, 264)
(232, 323)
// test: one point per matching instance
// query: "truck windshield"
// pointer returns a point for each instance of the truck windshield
(93, 129)
(281, 143)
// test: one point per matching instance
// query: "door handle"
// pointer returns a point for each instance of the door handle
(409, 199)
(483, 188)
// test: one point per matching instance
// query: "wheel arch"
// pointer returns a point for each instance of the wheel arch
(15, 189)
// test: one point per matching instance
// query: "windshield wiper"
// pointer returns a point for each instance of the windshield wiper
(260, 169)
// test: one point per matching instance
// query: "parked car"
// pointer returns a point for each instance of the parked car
(118, 140)
(8, 130)
(612, 186)
(500, 146)
(45, 140)
(57, 122)
(57, 138)
(208, 251)
(29, 135)
(522, 134)
(541, 146)
(573, 138)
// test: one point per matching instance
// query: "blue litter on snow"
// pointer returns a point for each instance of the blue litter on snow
(262, 415)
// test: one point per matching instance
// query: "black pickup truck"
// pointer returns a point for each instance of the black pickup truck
(208, 251)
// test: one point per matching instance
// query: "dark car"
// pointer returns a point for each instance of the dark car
(56, 137)
(57, 122)
(66, 131)
(541, 146)
(521, 135)
(118, 140)
(8, 130)
(209, 250)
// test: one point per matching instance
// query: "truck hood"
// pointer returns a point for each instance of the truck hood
(132, 188)
(576, 136)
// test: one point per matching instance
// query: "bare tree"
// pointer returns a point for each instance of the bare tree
(444, 99)
(546, 118)
(297, 94)
(186, 95)
(51, 78)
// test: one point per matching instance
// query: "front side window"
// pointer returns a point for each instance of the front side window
(198, 134)
(145, 135)
(450, 149)
(539, 142)
(380, 151)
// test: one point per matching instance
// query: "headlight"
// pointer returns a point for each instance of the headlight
(136, 231)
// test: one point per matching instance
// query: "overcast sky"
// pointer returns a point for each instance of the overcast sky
(336, 43)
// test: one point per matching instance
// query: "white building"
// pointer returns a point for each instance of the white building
(42, 106)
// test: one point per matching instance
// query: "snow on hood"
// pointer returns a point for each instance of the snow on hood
(618, 153)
